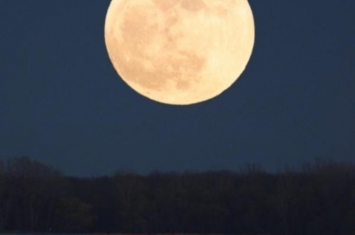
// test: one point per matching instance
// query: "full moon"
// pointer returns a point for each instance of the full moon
(179, 52)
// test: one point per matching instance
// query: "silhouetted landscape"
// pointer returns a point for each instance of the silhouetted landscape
(317, 199)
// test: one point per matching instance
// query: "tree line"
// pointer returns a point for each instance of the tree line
(317, 199)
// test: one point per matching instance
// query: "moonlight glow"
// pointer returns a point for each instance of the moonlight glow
(179, 51)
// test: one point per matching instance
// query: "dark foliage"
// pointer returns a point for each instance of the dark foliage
(318, 199)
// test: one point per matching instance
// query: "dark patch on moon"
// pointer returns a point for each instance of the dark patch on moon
(165, 5)
(193, 5)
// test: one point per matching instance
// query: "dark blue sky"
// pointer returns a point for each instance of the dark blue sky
(61, 101)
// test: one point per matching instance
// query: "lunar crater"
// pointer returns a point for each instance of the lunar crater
(193, 5)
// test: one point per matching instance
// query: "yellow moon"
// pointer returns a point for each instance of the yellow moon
(179, 52)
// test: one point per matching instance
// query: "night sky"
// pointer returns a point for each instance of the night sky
(62, 102)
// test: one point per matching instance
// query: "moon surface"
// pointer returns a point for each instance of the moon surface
(179, 52)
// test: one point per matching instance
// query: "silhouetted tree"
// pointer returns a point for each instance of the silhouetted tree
(32, 188)
(4, 198)
(318, 198)
(75, 215)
